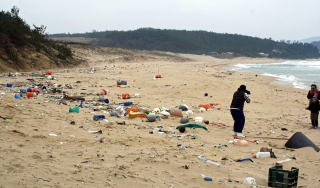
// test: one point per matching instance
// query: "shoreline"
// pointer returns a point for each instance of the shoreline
(280, 79)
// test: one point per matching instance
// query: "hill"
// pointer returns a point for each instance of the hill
(311, 39)
(23, 48)
(317, 44)
(198, 42)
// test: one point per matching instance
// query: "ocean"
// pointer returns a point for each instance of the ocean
(299, 74)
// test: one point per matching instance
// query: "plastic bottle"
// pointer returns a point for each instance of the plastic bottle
(204, 159)
(206, 178)
(262, 155)
(212, 162)
(127, 103)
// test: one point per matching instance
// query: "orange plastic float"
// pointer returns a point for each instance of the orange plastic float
(132, 109)
(206, 106)
(125, 96)
(30, 94)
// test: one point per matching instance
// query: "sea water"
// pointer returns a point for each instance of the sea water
(299, 74)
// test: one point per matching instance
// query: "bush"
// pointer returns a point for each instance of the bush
(19, 34)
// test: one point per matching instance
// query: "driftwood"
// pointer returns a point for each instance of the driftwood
(73, 98)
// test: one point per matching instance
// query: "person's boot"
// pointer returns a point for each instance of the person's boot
(316, 123)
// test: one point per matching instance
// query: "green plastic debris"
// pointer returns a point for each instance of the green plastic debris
(74, 109)
(192, 125)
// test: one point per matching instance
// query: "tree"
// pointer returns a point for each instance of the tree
(15, 11)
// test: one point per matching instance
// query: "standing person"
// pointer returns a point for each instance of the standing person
(313, 92)
(314, 107)
(236, 109)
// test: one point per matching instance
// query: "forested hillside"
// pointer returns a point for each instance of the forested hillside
(24, 48)
(199, 42)
(317, 44)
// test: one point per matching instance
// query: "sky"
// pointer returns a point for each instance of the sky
(276, 19)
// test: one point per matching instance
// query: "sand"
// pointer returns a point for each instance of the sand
(128, 155)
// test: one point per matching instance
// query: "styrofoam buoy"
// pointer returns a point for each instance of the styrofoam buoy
(184, 120)
(198, 119)
(151, 117)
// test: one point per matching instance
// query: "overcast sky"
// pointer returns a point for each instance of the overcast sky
(278, 19)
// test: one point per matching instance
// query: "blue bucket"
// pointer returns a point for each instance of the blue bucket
(23, 91)
(17, 96)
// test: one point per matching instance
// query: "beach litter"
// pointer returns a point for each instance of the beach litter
(204, 159)
(198, 119)
(152, 117)
(53, 134)
(262, 155)
(206, 178)
(281, 162)
(182, 146)
(74, 109)
(183, 107)
(95, 132)
(249, 181)
(244, 159)
(184, 120)
(99, 117)
(220, 146)
(299, 140)
(192, 125)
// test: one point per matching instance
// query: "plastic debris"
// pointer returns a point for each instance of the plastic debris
(204, 159)
(191, 125)
(244, 159)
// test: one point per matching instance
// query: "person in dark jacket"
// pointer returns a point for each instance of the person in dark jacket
(236, 109)
(313, 92)
(314, 107)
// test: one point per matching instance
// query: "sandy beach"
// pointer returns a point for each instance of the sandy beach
(43, 145)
